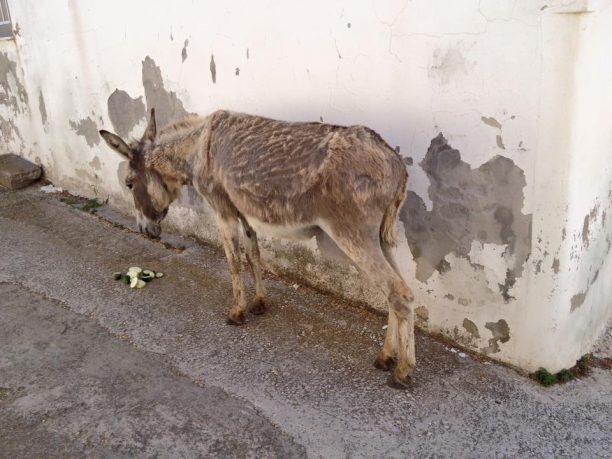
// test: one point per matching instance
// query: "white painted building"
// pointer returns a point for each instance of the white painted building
(507, 235)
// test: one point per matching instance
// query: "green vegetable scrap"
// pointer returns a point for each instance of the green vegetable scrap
(137, 277)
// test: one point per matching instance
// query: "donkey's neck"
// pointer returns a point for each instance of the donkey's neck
(176, 149)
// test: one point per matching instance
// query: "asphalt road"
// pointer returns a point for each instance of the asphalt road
(91, 368)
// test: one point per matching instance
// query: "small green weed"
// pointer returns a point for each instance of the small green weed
(565, 375)
(545, 378)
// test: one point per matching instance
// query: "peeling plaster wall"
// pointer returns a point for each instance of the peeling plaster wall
(499, 108)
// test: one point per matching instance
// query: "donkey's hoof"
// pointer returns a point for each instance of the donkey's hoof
(258, 307)
(384, 363)
(396, 382)
(235, 319)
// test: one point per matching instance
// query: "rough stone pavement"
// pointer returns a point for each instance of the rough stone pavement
(91, 368)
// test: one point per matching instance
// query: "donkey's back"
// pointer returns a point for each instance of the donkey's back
(288, 173)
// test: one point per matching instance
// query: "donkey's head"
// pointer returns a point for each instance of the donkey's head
(152, 192)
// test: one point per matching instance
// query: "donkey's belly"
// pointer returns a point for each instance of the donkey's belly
(304, 231)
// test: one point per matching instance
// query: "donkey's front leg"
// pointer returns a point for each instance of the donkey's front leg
(229, 228)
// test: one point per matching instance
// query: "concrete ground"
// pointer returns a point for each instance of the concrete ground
(91, 368)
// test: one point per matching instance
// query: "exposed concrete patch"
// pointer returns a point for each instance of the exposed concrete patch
(124, 112)
(184, 51)
(501, 334)
(42, 108)
(87, 128)
(500, 142)
(213, 68)
(471, 328)
(168, 107)
(490, 121)
(237, 72)
(8, 78)
(468, 204)
(248, 54)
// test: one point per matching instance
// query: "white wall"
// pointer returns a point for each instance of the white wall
(527, 80)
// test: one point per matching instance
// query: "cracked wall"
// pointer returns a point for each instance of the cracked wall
(499, 230)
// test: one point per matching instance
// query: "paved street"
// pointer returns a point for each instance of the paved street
(91, 368)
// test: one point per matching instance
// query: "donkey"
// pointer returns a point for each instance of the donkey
(289, 180)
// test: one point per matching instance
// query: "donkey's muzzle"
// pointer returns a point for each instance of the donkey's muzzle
(152, 230)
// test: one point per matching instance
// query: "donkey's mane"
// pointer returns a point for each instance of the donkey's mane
(178, 128)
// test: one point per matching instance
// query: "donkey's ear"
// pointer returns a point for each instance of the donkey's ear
(151, 131)
(117, 144)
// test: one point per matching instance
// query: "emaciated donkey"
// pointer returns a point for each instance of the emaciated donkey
(293, 180)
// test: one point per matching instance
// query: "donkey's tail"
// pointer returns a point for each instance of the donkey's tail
(388, 235)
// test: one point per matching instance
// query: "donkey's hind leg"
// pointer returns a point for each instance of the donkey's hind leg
(364, 249)
(386, 357)
(258, 306)
(229, 228)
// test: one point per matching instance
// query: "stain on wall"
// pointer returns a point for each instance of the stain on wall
(8, 75)
(184, 51)
(8, 132)
(213, 68)
(490, 121)
(448, 65)
(556, 265)
(168, 107)
(471, 328)
(124, 112)
(501, 334)
(87, 128)
(588, 219)
(483, 204)
(42, 107)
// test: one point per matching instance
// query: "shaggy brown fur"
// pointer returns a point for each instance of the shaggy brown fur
(285, 179)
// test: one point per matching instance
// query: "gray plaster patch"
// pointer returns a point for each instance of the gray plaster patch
(237, 72)
(468, 204)
(500, 332)
(168, 107)
(490, 121)
(213, 68)
(500, 142)
(588, 218)
(555, 265)
(8, 71)
(577, 301)
(8, 131)
(248, 54)
(184, 51)
(471, 328)
(42, 108)
(124, 112)
(87, 128)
